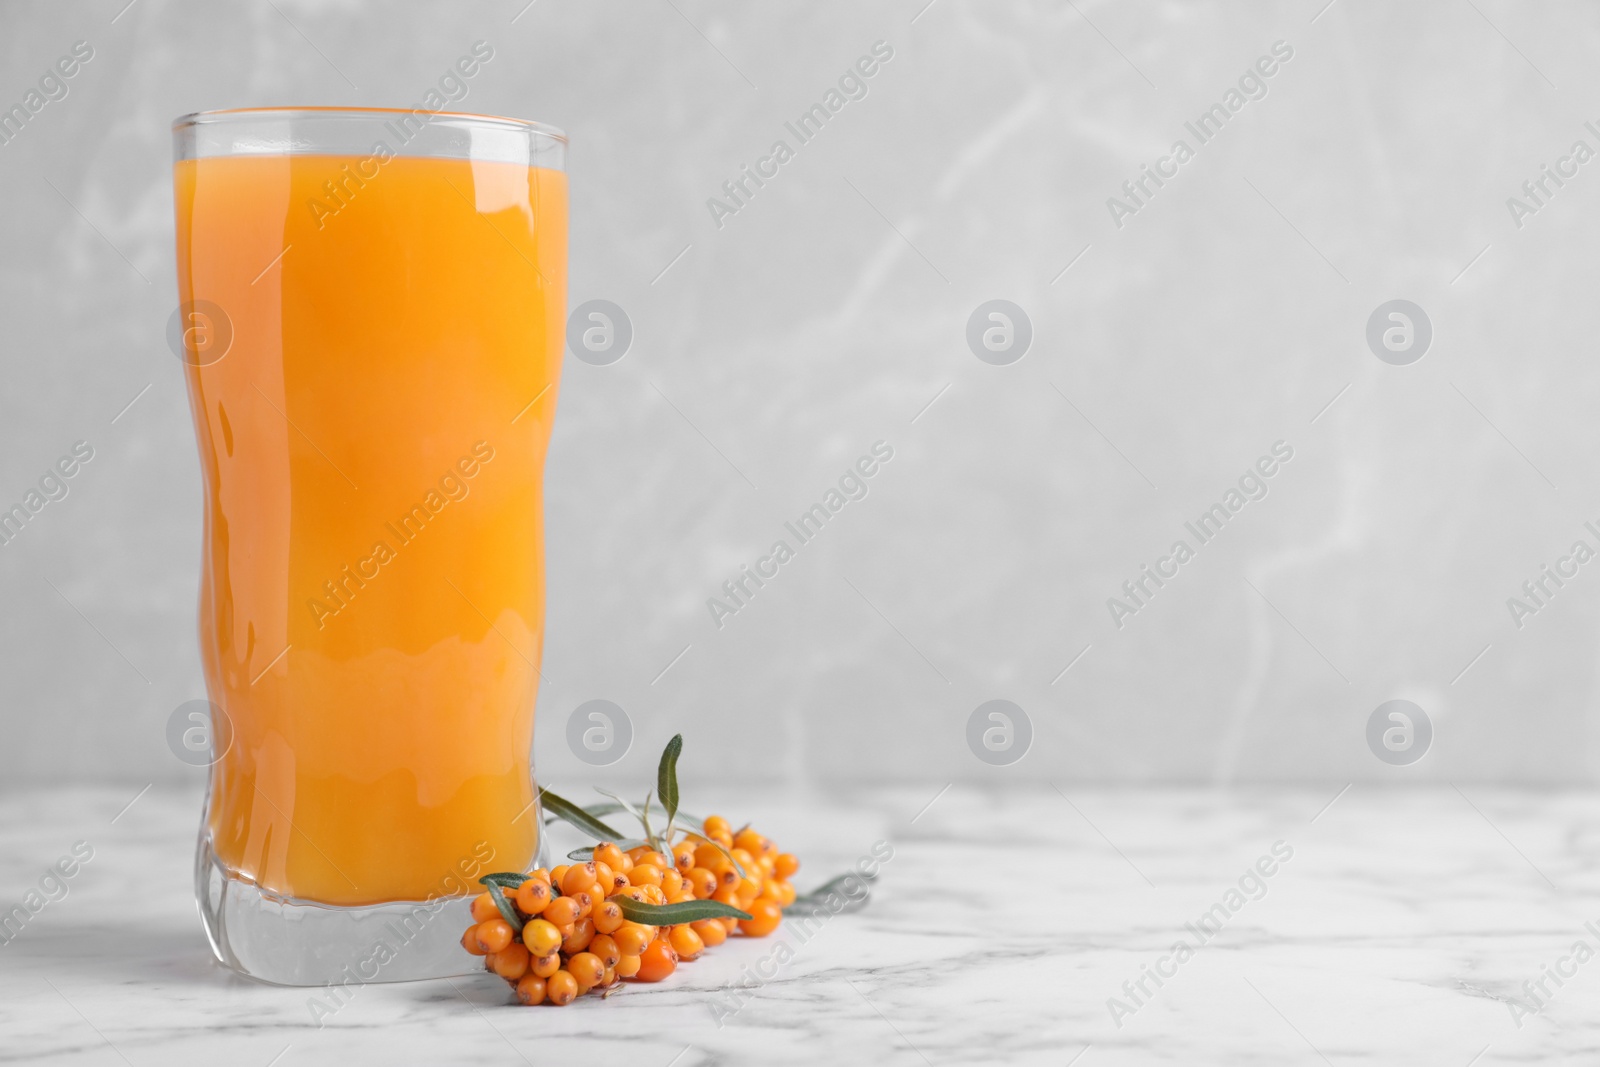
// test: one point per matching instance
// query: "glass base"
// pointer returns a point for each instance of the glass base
(293, 942)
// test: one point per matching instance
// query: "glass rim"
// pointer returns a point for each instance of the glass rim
(223, 116)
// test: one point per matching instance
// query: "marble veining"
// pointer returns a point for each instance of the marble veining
(1006, 928)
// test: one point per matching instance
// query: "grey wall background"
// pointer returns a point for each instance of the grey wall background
(1227, 314)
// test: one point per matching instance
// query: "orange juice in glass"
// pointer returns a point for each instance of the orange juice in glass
(371, 313)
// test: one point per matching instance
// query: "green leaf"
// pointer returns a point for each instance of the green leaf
(507, 912)
(575, 815)
(624, 805)
(644, 817)
(667, 778)
(504, 879)
(815, 898)
(602, 810)
(688, 911)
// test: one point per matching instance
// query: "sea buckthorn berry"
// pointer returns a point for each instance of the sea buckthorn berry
(483, 908)
(627, 966)
(638, 852)
(702, 881)
(726, 895)
(750, 887)
(541, 874)
(715, 823)
(637, 893)
(493, 935)
(744, 856)
(562, 911)
(511, 962)
(764, 918)
(723, 838)
(727, 874)
(561, 988)
(631, 938)
(586, 899)
(711, 932)
(587, 968)
(545, 966)
(530, 989)
(556, 874)
(609, 854)
(469, 941)
(788, 894)
(656, 962)
(578, 940)
(577, 878)
(683, 855)
(656, 860)
(607, 916)
(542, 937)
(768, 848)
(785, 864)
(772, 891)
(708, 856)
(765, 865)
(645, 874)
(671, 881)
(606, 948)
(605, 879)
(610, 978)
(533, 896)
(654, 895)
(749, 840)
(686, 942)
(729, 924)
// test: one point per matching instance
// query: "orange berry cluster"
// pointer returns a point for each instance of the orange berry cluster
(574, 935)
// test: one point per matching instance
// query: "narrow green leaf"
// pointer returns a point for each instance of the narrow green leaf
(507, 912)
(651, 838)
(611, 808)
(688, 911)
(575, 815)
(815, 897)
(667, 777)
(644, 817)
(644, 820)
(504, 879)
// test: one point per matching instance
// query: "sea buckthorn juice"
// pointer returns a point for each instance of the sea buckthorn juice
(371, 314)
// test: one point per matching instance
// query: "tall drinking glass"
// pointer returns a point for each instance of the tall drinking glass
(371, 313)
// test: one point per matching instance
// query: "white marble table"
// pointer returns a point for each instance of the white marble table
(1395, 933)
